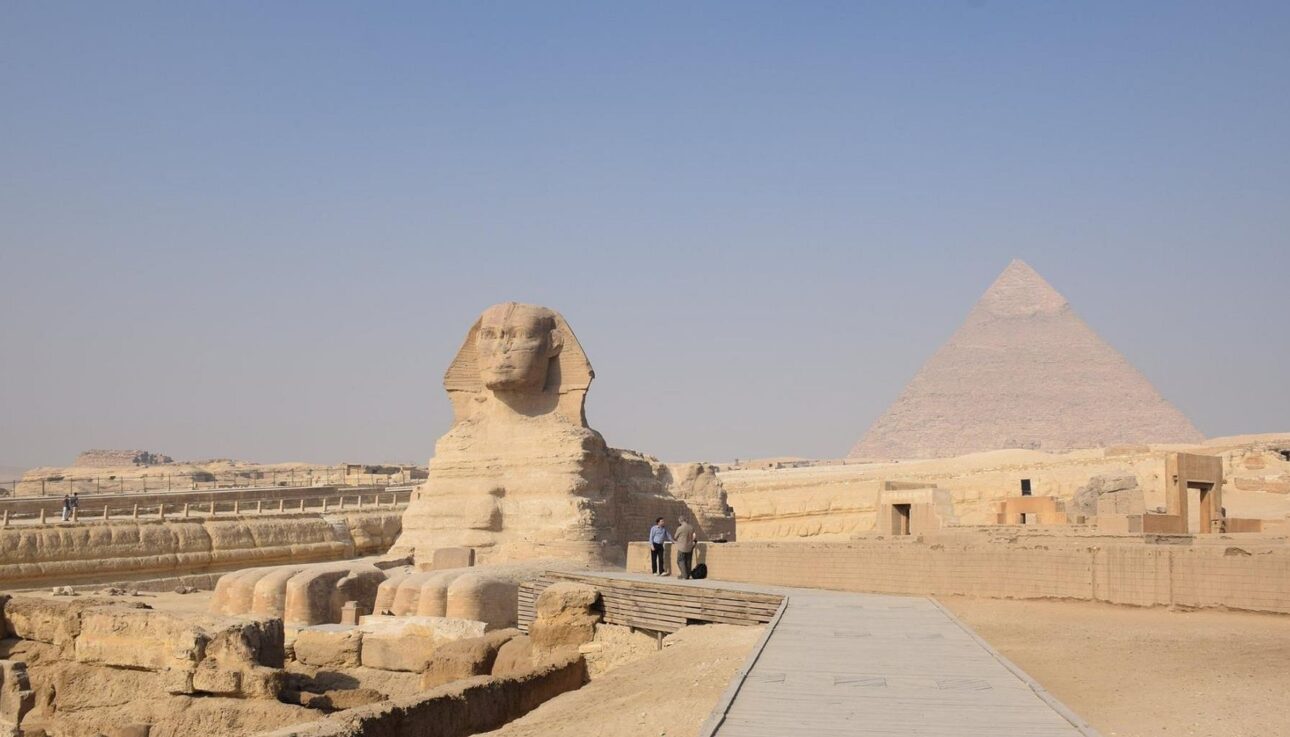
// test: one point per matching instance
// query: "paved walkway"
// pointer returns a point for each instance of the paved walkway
(837, 663)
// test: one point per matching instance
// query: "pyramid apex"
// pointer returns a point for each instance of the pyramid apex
(1019, 291)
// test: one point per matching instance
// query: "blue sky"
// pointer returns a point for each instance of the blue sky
(260, 230)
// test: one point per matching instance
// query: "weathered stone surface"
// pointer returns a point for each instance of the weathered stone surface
(566, 617)
(458, 557)
(1023, 371)
(187, 653)
(514, 656)
(410, 643)
(1110, 494)
(16, 694)
(329, 645)
(465, 658)
(300, 595)
(520, 475)
(32, 555)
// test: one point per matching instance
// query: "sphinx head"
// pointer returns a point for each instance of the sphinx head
(515, 345)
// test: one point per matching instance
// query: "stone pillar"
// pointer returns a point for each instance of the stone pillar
(350, 613)
(185, 509)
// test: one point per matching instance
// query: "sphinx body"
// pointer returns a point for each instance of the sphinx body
(520, 475)
(519, 479)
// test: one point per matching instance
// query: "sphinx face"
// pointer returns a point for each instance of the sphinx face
(515, 345)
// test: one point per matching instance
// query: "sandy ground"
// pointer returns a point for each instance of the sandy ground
(667, 695)
(1136, 672)
(197, 602)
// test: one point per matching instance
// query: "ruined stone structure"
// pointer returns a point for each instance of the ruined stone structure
(1023, 371)
(113, 458)
(520, 475)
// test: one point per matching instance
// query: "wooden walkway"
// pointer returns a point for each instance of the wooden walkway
(836, 663)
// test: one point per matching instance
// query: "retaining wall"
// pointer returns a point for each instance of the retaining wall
(69, 553)
(1249, 572)
(460, 708)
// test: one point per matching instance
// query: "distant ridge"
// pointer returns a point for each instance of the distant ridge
(1023, 371)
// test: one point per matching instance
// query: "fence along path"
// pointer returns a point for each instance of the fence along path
(836, 663)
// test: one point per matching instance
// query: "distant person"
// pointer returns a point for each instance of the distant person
(75, 502)
(658, 535)
(685, 540)
(67, 507)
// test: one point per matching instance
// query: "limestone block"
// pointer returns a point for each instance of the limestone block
(210, 678)
(409, 643)
(16, 695)
(456, 557)
(566, 617)
(387, 651)
(329, 646)
(465, 658)
(54, 622)
(515, 656)
(139, 638)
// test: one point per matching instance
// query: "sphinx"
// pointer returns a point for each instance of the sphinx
(518, 484)
(520, 474)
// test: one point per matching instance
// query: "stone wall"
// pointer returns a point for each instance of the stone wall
(1247, 572)
(837, 501)
(456, 709)
(41, 555)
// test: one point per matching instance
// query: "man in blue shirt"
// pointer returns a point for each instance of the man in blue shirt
(658, 535)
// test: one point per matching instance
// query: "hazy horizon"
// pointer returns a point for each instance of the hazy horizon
(261, 232)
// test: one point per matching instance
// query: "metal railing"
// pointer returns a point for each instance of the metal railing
(388, 499)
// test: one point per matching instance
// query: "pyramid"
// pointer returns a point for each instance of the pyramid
(1023, 371)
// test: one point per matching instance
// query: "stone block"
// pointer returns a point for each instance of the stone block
(514, 657)
(566, 616)
(329, 646)
(16, 695)
(456, 557)
(408, 643)
(465, 658)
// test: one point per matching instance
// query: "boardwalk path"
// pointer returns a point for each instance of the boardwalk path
(837, 663)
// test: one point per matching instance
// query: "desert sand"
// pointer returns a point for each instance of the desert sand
(1135, 672)
(669, 694)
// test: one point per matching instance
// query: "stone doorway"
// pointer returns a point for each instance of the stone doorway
(900, 514)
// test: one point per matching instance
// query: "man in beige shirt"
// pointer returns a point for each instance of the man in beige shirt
(685, 539)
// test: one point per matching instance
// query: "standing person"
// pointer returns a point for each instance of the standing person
(75, 502)
(685, 540)
(67, 507)
(658, 535)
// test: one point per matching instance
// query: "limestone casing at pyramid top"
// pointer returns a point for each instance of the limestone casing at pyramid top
(1021, 292)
